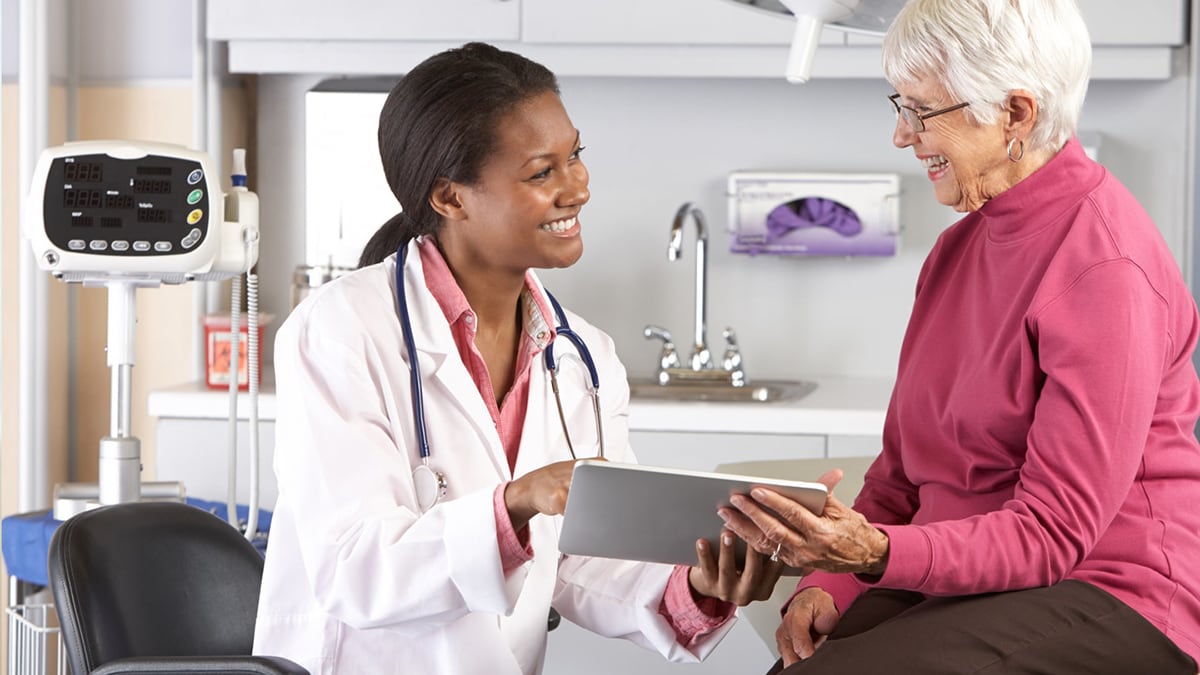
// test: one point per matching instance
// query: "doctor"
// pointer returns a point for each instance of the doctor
(417, 523)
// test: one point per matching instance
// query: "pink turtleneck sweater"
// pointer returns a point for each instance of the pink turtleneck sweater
(1042, 423)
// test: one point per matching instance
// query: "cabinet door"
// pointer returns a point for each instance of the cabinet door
(724, 22)
(657, 22)
(364, 20)
(704, 451)
(1142, 23)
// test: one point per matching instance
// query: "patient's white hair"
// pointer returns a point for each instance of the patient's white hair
(983, 49)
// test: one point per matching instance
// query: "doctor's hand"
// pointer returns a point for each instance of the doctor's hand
(810, 617)
(838, 540)
(541, 491)
(720, 577)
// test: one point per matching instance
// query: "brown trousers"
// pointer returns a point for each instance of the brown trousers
(1066, 629)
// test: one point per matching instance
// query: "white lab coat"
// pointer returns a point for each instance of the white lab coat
(357, 579)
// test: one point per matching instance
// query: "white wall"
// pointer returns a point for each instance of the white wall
(654, 143)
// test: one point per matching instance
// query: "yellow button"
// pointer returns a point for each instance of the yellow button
(195, 216)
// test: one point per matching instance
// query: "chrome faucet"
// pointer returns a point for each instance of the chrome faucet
(668, 359)
(701, 359)
(700, 368)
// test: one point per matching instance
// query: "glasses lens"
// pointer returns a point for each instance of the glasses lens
(911, 117)
(914, 119)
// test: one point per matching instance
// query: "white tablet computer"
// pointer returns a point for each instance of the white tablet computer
(655, 514)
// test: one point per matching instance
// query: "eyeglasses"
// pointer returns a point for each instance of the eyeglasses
(916, 119)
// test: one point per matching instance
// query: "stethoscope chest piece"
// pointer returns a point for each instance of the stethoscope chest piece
(430, 486)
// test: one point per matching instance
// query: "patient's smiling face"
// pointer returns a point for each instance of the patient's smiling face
(967, 162)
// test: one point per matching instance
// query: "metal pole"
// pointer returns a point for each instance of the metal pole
(33, 403)
(200, 142)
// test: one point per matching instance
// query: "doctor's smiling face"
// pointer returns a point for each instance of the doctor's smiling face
(523, 210)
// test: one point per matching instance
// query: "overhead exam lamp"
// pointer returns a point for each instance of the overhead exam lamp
(867, 17)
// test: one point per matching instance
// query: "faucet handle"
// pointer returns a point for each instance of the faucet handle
(668, 357)
(732, 361)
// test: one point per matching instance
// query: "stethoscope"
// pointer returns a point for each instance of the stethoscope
(431, 484)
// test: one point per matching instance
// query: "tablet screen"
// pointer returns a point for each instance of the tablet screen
(656, 514)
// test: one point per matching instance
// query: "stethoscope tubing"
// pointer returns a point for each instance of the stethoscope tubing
(564, 330)
(418, 397)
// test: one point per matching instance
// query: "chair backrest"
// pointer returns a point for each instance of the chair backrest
(152, 579)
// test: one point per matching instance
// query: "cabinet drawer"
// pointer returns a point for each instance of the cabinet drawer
(704, 451)
(1144, 23)
(457, 20)
(660, 22)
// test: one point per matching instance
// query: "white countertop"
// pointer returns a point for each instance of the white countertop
(838, 406)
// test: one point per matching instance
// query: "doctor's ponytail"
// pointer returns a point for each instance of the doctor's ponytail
(386, 240)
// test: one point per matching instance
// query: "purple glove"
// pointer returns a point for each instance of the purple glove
(811, 212)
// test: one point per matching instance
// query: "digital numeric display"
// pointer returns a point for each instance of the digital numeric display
(83, 199)
(83, 172)
(147, 206)
(151, 186)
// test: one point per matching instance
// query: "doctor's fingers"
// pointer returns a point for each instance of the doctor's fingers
(753, 580)
(721, 575)
(725, 580)
(543, 490)
(758, 577)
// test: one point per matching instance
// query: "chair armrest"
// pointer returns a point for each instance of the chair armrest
(196, 665)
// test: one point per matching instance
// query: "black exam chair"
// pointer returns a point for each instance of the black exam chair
(157, 587)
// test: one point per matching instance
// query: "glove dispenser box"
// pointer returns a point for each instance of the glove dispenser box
(814, 214)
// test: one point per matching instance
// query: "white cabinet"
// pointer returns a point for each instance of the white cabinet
(573, 650)
(637, 38)
(616, 37)
(650, 22)
(1143, 23)
(195, 452)
(364, 20)
(704, 451)
(656, 22)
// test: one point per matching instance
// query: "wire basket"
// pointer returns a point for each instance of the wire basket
(34, 641)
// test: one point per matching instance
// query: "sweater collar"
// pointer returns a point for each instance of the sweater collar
(1038, 200)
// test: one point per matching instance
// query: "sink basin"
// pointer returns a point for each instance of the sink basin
(756, 391)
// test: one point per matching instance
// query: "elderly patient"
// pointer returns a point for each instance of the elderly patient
(1033, 509)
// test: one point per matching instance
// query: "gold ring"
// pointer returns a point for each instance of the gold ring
(775, 553)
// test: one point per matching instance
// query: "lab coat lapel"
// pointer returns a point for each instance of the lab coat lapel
(443, 373)
(541, 424)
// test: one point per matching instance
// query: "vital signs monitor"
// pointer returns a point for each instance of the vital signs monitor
(138, 210)
(134, 214)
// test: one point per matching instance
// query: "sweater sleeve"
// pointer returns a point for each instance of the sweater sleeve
(887, 496)
(1102, 346)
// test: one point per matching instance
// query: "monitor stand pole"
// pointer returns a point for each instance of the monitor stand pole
(120, 451)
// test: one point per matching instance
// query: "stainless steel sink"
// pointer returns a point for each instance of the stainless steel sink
(756, 391)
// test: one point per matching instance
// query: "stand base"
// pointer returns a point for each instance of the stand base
(74, 498)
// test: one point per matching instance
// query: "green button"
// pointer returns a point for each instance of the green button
(195, 195)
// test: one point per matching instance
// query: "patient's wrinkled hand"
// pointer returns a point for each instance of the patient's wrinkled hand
(810, 617)
(838, 540)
